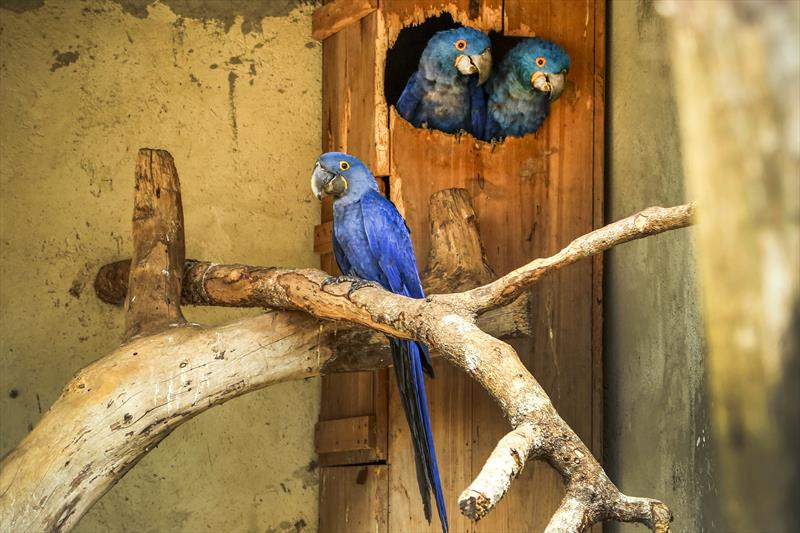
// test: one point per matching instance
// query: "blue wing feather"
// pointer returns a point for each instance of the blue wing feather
(341, 257)
(409, 100)
(390, 244)
(477, 107)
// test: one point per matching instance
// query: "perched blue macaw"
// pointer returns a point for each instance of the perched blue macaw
(530, 77)
(444, 93)
(371, 243)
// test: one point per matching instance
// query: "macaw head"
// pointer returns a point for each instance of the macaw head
(460, 51)
(341, 175)
(542, 64)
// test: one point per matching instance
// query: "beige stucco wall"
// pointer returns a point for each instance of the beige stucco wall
(233, 90)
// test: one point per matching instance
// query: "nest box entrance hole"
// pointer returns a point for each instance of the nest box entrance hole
(402, 59)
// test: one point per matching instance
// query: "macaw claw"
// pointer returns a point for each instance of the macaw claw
(355, 283)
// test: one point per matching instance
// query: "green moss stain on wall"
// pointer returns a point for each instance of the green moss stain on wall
(234, 93)
(656, 410)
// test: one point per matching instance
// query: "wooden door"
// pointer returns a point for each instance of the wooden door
(532, 196)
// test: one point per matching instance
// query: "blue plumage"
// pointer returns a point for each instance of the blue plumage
(445, 93)
(530, 77)
(371, 241)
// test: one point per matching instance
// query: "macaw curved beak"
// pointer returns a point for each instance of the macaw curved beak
(552, 84)
(324, 182)
(480, 64)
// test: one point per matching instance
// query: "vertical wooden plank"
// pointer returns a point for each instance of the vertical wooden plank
(599, 220)
(354, 110)
(342, 487)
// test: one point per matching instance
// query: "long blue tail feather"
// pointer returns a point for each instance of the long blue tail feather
(433, 466)
(408, 365)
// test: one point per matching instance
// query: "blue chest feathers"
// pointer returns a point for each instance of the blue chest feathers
(445, 105)
(348, 229)
(515, 110)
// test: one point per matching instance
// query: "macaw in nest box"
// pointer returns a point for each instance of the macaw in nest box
(520, 92)
(445, 92)
(372, 245)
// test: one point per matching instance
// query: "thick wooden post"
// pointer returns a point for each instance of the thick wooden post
(154, 294)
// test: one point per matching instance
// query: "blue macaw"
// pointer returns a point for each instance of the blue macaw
(371, 242)
(530, 77)
(444, 93)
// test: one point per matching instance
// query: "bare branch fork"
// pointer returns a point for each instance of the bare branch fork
(118, 408)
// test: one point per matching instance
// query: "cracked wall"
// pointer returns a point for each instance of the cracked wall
(233, 90)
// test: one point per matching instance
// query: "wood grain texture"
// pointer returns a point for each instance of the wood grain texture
(334, 16)
(402, 13)
(154, 298)
(531, 195)
(345, 434)
(340, 487)
(354, 113)
(354, 121)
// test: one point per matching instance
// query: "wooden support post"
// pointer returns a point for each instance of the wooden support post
(154, 284)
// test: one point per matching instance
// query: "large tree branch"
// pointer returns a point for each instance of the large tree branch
(100, 427)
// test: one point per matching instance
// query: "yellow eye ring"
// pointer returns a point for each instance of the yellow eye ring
(461, 44)
(541, 61)
(344, 165)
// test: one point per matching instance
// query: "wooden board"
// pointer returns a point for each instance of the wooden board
(344, 434)
(355, 499)
(532, 196)
(335, 16)
(354, 118)
(486, 15)
(356, 394)
(450, 398)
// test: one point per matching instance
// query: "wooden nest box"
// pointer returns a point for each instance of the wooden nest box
(532, 195)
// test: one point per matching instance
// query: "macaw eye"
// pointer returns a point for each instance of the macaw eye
(344, 165)
(540, 62)
(461, 44)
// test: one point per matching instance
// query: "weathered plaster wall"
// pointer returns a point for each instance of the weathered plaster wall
(657, 435)
(233, 90)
